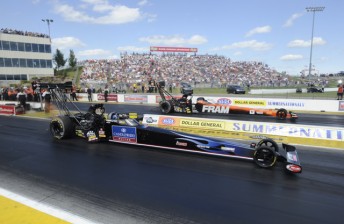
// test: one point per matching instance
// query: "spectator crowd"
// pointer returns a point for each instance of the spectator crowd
(198, 70)
(24, 33)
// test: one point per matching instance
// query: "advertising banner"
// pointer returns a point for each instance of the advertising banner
(7, 109)
(278, 103)
(341, 106)
(301, 131)
(111, 97)
(173, 49)
(135, 98)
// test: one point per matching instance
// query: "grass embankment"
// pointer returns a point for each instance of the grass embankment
(41, 114)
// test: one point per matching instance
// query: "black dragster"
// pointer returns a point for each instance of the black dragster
(125, 128)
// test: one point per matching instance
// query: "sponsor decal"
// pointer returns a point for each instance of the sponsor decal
(227, 149)
(215, 109)
(286, 104)
(91, 136)
(178, 109)
(291, 156)
(124, 134)
(168, 121)
(80, 133)
(225, 101)
(202, 124)
(102, 133)
(184, 144)
(250, 102)
(293, 168)
(150, 120)
(341, 106)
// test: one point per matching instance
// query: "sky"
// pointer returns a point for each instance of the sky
(275, 32)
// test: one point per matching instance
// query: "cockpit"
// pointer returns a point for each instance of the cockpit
(123, 119)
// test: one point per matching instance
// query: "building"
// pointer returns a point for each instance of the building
(24, 55)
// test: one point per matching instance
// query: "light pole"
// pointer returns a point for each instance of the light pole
(48, 22)
(312, 9)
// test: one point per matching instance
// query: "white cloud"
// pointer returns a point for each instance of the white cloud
(175, 40)
(150, 17)
(70, 14)
(66, 43)
(143, 2)
(237, 53)
(291, 57)
(215, 49)
(291, 20)
(95, 2)
(113, 57)
(304, 43)
(133, 49)
(251, 44)
(262, 29)
(94, 52)
(109, 14)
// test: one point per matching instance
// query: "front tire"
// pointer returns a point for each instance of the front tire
(61, 127)
(265, 157)
(268, 143)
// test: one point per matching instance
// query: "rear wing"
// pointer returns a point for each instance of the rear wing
(163, 92)
(292, 156)
(66, 85)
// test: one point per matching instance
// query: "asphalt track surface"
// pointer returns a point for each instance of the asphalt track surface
(114, 183)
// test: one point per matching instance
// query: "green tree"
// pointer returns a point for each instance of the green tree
(59, 59)
(72, 59)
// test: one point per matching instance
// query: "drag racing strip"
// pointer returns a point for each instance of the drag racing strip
(15, 208)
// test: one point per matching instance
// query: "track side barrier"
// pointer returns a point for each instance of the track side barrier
(11, 110)
(319, 105)
(289, 133)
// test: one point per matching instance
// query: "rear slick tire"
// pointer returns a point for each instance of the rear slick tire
(166, 107)
(282, 114)
(61, 127)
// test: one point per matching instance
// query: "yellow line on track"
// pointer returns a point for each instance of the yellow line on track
(12, 212)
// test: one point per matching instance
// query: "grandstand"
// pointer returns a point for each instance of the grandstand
(24, 55)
